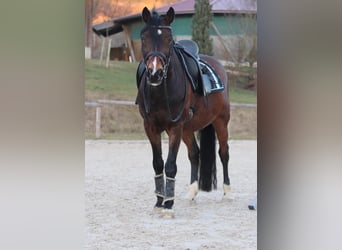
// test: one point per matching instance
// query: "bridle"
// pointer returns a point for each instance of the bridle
(165, 59)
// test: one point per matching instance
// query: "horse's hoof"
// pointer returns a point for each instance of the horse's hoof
(167, 213)
(193, 190)
(157, 209)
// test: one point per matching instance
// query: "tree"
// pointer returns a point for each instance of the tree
(201, 26)
(88, 20)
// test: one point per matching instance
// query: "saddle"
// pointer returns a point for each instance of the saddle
(202, 76)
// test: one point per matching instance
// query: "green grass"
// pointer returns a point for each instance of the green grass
(239, 95)
(238, 86)
(117, 81)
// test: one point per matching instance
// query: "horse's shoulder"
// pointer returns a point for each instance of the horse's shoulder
(140, 71)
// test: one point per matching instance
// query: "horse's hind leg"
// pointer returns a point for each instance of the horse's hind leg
(221, 129)
(158, 164)
(193, 154)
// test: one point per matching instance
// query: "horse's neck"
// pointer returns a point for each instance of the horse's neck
(175, 71)
(176, 81)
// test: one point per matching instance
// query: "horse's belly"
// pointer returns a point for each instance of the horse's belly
(197, 123)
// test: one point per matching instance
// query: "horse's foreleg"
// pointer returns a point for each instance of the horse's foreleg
(158, 164)
(193, 155)
(175, 135)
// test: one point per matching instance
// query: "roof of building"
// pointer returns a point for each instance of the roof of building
(187, 7)
(217, 6)
(107, 28)
(181, 8)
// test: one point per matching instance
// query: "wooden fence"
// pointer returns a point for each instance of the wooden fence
(99, 103)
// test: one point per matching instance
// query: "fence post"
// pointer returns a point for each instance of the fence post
(102, 49)
(108, 52)
(98, 122)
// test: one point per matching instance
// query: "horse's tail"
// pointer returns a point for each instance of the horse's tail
(207, 179)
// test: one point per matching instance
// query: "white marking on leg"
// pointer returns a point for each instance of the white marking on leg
(159, 32)
(227, 195)
(226, 189)
(226, 192)
(193, 190)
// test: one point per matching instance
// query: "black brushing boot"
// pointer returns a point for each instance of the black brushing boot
(160, 190)
(169, 193)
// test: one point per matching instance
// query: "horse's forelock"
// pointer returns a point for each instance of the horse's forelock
(155, 18)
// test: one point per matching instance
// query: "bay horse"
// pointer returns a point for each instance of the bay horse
(167, 102)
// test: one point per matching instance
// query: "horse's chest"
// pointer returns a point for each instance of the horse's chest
(158, 119)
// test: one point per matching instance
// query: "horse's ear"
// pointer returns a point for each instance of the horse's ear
(146, 14)
(170, 15)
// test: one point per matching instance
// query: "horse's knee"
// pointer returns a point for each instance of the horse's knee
(170, 170)
(158, 165)
(170, 174)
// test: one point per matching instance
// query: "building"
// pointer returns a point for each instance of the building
(233, 29)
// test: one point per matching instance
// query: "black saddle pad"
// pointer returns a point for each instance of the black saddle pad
(202, 76)
(211, 81)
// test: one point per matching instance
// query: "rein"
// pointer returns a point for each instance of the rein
(147, 103)
(176, 119)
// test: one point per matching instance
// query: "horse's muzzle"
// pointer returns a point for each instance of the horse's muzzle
(155, 78)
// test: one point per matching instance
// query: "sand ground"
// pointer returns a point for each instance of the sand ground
(119, 199)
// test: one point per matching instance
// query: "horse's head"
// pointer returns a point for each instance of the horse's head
(156, 44)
